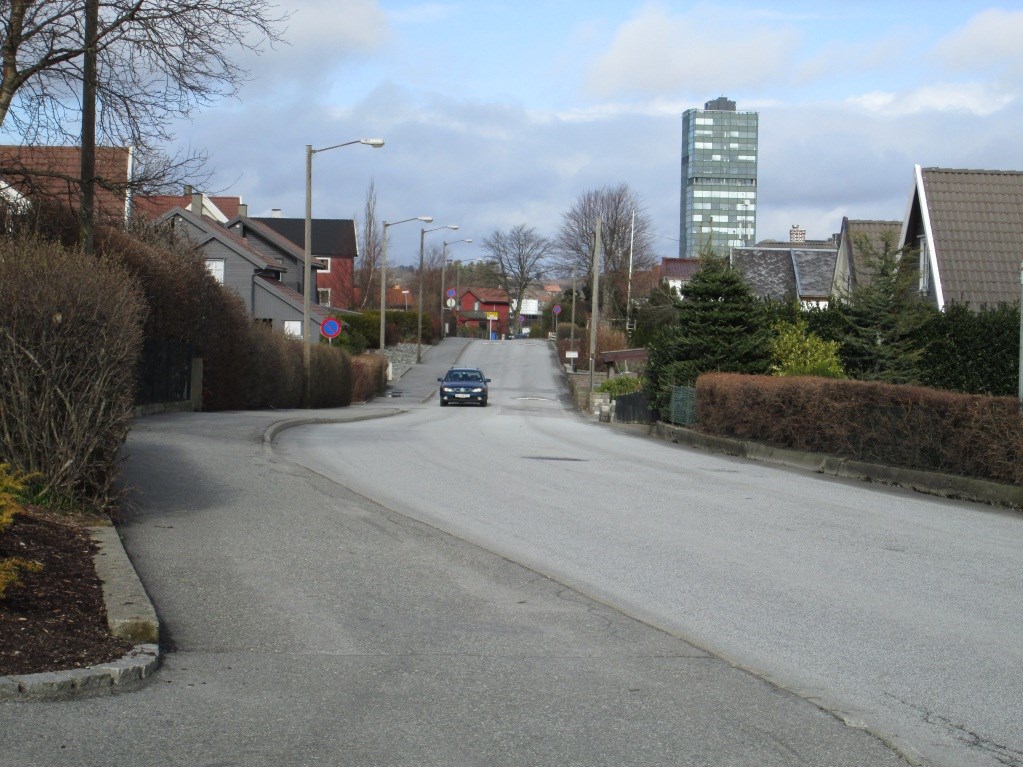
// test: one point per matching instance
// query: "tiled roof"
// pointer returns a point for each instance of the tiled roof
(679, 268)
(152, 206)
(781, 273)
(872, 232)
(332, 237)
(244, 224)
(976, 219)
(317, 312)
(488, 295)
(53, 172)
(229, 238)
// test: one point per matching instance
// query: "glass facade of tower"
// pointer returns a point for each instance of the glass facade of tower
(719, 178)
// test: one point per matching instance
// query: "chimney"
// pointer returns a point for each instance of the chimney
(243, 210)
(188, 190)
(196, 206)
(275, 213)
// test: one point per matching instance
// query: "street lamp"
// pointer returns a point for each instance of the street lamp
(307, 267)
(419, 331)
(383, 271)
(443, 295)
(405, 294)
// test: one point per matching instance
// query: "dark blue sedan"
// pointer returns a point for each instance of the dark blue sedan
(462, 386)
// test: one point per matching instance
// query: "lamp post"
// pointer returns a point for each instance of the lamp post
(419, 330)
(307, 267)
(443, 294)
(405, 294)
(383, 272)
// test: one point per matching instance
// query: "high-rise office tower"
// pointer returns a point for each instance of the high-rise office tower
(719, 178)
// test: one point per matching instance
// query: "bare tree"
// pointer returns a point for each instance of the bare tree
(614, 206)
(367, 273)
(519, 259)
(156, 59)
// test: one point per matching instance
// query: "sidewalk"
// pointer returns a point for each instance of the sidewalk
(419, 382)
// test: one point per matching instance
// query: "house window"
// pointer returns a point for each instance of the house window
(323, 296)
(325, 263)
(216, 268)
(475, 306)
(293, 328)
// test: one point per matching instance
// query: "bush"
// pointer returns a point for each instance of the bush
(369, 376)
(275, 364)
(12, 484)
(898, 425)
(620, 385)
(975, 352)
(796, 352)
(331, 377)
(70, 337)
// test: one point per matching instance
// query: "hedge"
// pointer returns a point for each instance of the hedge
(908, 426)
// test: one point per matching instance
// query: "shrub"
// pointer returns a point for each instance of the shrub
(369, 376)
(620, 385)
(70, 337)
(975, 352)
(796, 352)
(12, 484)
(275, 363)
(331, 377)
(898, 425)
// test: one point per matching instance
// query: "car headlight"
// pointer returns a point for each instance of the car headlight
(447, 389)
(477, 390)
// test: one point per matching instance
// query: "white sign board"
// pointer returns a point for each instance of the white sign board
(571, 355)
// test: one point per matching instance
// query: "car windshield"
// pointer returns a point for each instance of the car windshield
(464, 376)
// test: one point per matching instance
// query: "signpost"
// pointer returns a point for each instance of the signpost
(556, 311)
(330, 329)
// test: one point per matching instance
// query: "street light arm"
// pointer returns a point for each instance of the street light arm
(376, 143)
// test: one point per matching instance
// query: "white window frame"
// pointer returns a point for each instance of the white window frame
(293, 328)
(216, 267)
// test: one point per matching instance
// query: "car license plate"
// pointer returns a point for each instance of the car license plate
(461, 396)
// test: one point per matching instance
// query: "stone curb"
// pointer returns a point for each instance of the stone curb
(930, 482)
(130, 615)
(271, 432)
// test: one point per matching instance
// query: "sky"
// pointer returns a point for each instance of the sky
(502, 113)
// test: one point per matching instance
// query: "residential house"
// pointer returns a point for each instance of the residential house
(676, 272)
(54, 173)
(484, 308)
(967, 226)
(783, 272)
(220, 208)
(335, 245)
(851, 268)
(257, 273)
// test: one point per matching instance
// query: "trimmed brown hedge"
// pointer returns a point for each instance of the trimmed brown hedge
(909, 426)
(369, 376)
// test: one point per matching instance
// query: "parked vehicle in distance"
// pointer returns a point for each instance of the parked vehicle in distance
(463, 385)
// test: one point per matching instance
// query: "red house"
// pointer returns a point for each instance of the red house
(485, 309)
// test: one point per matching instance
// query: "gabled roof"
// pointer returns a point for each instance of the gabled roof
(851, 256)
(243, 226)
(487, 295)
(214, 231)
(295, 299)
(54, 172)
(972, 222)
(781, 273)
(679, 268)
(151, 206)
(332, 237)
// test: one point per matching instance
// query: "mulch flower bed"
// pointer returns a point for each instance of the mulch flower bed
(53, 619)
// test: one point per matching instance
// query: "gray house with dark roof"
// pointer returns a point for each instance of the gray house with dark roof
(968, 226)
(781, 273)
(254, 270)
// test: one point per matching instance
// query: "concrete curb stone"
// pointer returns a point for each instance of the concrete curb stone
(929, 482)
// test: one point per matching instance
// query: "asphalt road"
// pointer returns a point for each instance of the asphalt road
(305, 624)
(895, 610)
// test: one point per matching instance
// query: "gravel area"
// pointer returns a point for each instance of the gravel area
(402, 358)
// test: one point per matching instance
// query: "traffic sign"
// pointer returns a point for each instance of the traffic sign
(556, 310)
(451, 303)
(330, 328)
(451, 292)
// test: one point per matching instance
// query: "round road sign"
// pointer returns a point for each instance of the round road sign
(451, 292)
(330, 328)
(556, 310)
(451, 303)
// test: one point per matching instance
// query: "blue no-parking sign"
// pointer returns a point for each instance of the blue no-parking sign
(330, 328)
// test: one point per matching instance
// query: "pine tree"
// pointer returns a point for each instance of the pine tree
(721, 326)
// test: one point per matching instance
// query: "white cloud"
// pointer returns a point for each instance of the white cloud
(990, 41)
(659, 52)
(973, 98)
